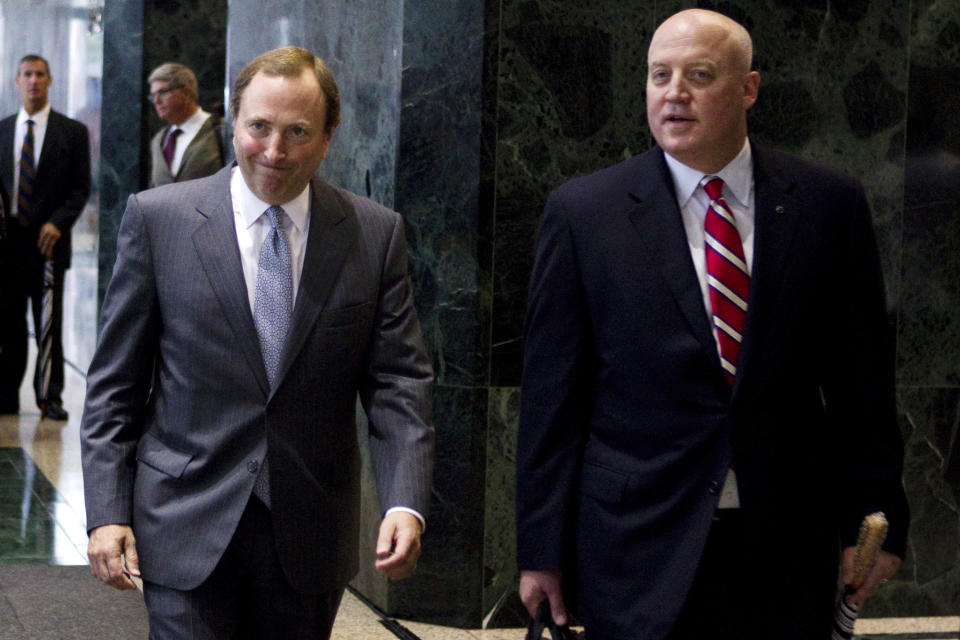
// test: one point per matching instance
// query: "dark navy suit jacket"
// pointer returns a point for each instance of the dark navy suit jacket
(628, 426)
(63, 177)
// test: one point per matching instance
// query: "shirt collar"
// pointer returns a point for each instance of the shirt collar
(251, 207)
(192, 124)
(39, 118)
(737, 176)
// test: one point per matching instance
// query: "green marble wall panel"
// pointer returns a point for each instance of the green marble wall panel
(121, 129)
(361, 43)
(193, 33)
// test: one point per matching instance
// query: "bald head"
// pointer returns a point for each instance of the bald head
(699, 88)
(718, 28)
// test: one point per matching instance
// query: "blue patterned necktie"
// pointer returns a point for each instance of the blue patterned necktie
(273, 299)
(272, 306)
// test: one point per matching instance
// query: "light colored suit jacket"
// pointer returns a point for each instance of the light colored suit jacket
(179, 413)
(204, 156)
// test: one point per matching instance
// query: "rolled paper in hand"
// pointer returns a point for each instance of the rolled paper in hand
(873, 531)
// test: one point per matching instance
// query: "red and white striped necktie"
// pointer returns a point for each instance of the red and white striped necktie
(727, 276)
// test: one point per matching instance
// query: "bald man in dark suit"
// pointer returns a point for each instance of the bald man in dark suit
(707, 409)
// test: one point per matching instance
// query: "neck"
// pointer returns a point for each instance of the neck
(183, 118)
(32, 109)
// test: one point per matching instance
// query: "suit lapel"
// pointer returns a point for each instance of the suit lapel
(6, 153)
(52, 143)
(331, 236)
(658, 221)
(194, 144)
(216, 245)
(775, 219)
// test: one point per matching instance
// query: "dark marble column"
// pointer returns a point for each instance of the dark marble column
(928, 353)
(138, 36)
(361, 43)
(120, 137)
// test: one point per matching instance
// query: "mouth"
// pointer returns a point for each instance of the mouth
(678, 119)
(273, 168)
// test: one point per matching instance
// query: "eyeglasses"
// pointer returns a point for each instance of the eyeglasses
(162, 92)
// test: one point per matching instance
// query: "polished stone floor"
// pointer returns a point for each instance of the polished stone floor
(41, 490)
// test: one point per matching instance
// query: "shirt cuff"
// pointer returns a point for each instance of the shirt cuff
(413, 512)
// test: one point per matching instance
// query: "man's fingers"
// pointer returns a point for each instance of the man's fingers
(107, 548)
(882, 570)
(385, 540)
(398, 545)
(132, 561)
(401, 563)
(537, 585)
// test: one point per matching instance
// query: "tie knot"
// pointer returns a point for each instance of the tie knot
(275, 215)
(713, 186)
(30, 123)
(174, 132)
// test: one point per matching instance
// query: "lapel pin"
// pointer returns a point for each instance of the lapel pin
(779, 208)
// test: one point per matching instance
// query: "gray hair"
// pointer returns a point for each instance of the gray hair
(177, 76)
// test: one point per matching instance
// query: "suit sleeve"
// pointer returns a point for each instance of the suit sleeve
(860, 388)
(77, 175)
(397, 391)
(554, 396)
(120, 375)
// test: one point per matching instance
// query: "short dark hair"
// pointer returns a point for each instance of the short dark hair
(290, 62)
(32, 57)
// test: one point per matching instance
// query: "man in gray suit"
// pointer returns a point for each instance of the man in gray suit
(192, 146)
(220, 452)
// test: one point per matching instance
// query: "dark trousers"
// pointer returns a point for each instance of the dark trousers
(718, 606)
(731, 599)
(246, 597)
(21, 279)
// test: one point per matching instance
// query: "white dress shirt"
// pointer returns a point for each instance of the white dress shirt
(188, 131)
(738, 193)
(40, 119)
(252, 228)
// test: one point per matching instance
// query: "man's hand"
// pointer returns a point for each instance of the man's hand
(49, 234)
(882, 570)
(109, 546)
(398, 545)
(537, 585)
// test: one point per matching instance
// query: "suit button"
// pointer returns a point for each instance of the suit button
(253, 466)
(714, 488)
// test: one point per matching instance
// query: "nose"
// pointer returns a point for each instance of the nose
(677, 90)
(275, 149)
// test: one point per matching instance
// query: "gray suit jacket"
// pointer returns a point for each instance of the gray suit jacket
(179, 413)
(203, 157)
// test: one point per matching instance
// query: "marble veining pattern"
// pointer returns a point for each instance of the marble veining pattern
(361, 43)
